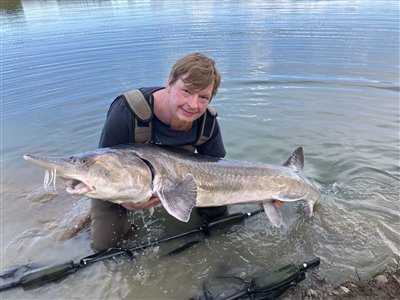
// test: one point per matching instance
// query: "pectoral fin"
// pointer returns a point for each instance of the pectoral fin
(179, 198)
(273, 213)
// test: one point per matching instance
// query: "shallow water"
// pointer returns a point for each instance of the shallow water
(319, 74)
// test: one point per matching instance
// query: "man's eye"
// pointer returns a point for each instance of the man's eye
(204, 98)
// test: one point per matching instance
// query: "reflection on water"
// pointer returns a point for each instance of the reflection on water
(318, 74)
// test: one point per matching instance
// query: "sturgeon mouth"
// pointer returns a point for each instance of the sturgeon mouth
(76, 187)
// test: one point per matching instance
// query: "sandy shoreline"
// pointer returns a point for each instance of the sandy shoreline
(383, 287)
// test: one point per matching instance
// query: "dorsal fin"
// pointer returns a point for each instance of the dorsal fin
(296, 160)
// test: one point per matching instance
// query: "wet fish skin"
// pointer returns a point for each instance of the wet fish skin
(182, 180)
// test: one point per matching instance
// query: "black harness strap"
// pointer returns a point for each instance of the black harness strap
(143, 114)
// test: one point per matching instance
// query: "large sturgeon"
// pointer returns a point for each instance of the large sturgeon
(182, 180)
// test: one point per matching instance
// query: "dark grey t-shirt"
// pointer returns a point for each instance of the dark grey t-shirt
(119, 129)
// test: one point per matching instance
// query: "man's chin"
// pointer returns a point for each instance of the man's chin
(179, 125)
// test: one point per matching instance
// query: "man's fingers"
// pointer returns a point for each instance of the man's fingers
(277, 203)
(137, 206)
(153, 201)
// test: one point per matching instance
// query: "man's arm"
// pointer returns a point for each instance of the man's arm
(118, 127)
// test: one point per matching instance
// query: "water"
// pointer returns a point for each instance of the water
(319, 74)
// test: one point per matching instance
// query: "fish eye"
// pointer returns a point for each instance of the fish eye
(74, 159)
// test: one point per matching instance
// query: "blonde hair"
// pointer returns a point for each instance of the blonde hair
(198, 71)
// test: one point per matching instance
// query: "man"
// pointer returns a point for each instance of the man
(179, 114)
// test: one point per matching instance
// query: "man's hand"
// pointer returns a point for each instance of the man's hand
(277, 203)
(153, 201)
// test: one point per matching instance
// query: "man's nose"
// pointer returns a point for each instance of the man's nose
(193, 101)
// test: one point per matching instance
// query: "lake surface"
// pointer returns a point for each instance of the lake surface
(319, 74)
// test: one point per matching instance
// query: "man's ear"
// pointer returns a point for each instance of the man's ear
(169, 86)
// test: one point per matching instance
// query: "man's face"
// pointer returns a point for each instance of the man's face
(186, 104)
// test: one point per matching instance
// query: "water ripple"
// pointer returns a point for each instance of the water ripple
(294, 73)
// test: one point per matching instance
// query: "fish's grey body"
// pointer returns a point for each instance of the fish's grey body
(182, 180)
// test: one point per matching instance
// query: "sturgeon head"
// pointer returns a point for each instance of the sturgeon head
(103, 174)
